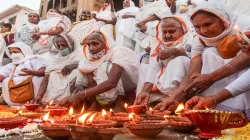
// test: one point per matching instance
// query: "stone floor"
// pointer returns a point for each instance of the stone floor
(165, 135)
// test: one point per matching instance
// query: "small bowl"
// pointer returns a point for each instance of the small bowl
(32, 115)
(211, 122)
(31, 107)
(137, 109)
(58, 111)
(55, 132)
(10, 123)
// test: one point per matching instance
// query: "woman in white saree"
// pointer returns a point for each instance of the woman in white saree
(111, 73)
(126, 24)
(26, 65)
(61, 73)
(168, 62)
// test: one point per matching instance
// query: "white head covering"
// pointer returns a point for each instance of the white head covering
(26, 50)
(59, 61)
(132, 4)
(219, 10)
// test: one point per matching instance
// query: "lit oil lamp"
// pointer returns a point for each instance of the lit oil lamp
(241, 35)
(131, 118)
(137, 109)
(111, 112)
(82, 110)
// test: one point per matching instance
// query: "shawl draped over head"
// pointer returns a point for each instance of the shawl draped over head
(26, 50)
(182, 42)
(59, 61)
(229, 18)
(124, 57)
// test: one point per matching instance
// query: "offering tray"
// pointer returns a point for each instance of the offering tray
(158, 113)
(211, 122)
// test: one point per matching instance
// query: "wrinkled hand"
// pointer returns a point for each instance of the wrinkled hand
(36, 36)
(143, 29)
(165, 54)
(140, 24)
(70, 101)
(66, 70)
(200, 83)
(142, 98)
(26, 72)
(37, 100)
(198, 103)
(168, 103)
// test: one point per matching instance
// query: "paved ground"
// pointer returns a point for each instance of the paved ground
(165, 135)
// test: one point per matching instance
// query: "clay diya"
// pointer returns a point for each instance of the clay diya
(180, 124)
(59, 111)
(137, 109)
(10, 123)
(55, 131)
(211, 122)
(32, 115)
(31, 107)
(120, 118)
(146, 128)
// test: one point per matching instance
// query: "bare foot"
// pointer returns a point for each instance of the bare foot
(119, 104)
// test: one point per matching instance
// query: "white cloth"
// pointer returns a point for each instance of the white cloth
(144, 40)
(59, 86)
(82, 29)
(211, 59)
(25, 34)
(125, 28)
(240, 6)
(2, 49)
(121, 56)
(166, 75)
(29, 62)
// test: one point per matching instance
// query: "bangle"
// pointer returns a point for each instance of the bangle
(213, 96)
(231, 68)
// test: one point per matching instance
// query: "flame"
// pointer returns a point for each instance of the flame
(166, 116)
(82, 109)
(47, 107)
(28, 102)
(111, 110)
(104, 113)
(46, 117)
(179, 108)
(151, 109)
(125, 105)
(18, 108)
(130, 116)
(51, 102)
(89, 121)
(83, 118)
(206, 108)
(20, 112)
(71, 111)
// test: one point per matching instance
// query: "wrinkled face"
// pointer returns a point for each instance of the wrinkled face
(126, 3)
(105, 6)
(96, 42)
(85, 15)
(171, 30)
(33, 18)
(4, 29)
(52, 10)
(14, 50)
(207, 25)
(61, 43)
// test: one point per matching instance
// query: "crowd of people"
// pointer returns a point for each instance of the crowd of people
(165, 53)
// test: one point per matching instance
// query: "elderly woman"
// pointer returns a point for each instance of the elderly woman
(26, 32)
(169, 61)
(126, 24)
(54, 25)
(111, 73)
(239, 86)
(216, 58)
(25, 67)
(61, 73)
